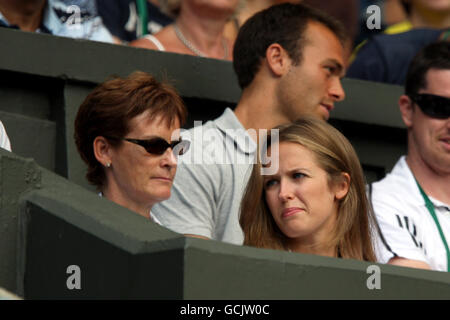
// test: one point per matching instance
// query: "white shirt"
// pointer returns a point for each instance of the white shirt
(4, 140)
(155, 41)
(405, 222)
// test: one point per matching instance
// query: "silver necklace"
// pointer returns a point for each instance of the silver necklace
(191, 47)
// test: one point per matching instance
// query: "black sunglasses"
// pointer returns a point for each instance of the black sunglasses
(158, 145)
(432, 105)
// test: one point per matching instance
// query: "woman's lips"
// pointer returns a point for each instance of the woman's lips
(290, 211)
(163, 179)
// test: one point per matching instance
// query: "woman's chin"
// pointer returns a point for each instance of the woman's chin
(160, 196)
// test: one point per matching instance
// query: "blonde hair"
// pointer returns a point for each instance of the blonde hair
(355, 222)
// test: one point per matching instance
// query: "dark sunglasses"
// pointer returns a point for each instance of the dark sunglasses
(158, 145)
(432, 105)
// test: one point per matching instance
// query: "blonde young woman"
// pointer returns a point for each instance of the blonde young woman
(198, 28)
(315, 203)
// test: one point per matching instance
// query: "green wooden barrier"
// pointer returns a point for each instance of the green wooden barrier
(71, 244)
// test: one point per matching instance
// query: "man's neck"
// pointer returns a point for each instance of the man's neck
(257, 108)
(26, 14)
(434, 183)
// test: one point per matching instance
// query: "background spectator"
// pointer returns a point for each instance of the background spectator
(385, 58)
(128, 20)
(399, 16)
(67, 18)
(198, 29)
(425, 14)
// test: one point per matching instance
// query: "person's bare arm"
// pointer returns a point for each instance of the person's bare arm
(402, 262)
(197, 236)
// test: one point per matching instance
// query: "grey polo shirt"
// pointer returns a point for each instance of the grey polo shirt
(210, 181)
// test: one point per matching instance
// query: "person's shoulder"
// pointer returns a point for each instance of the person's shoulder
(399, 27)
(117, 4)
(394, 180)
(76, 19)
(397, 189)
(395, 51)
(403, 43)
(170, 41)
(158, 41)
(415, 37)
(143, 42)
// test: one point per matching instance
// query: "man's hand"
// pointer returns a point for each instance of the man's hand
(402, 262)
(197, 236)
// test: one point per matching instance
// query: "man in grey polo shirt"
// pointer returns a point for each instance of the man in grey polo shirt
(289, 60)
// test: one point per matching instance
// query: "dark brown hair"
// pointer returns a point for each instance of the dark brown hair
(108, 109)
(284, 24)
(436, 55)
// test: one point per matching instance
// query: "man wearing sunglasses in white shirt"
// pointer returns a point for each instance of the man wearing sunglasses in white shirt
(412, 203)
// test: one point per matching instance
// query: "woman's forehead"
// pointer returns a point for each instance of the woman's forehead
(148, 124)
(291, 154)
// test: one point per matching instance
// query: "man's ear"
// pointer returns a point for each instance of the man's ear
(277, 59)
(342, 186)
(102, 151)
(406, 109)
